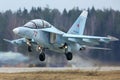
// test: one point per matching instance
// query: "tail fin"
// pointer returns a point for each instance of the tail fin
(79, 25)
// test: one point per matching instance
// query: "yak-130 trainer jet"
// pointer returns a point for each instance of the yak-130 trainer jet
(45, 36)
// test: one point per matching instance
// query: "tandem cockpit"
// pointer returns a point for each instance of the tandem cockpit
(37, 24)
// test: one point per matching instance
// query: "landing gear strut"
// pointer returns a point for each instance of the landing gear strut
(29, 45)
(29, 49)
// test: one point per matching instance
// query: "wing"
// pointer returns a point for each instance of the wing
(16, 41)
(86, 40)
(98, 48)
(19, 42)
(52, 30)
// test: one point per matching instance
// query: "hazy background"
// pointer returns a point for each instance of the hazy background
(103, 19)
(59, 4)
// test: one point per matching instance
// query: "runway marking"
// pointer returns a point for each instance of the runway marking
(37, 69)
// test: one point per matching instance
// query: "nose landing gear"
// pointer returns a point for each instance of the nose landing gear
(28, 42)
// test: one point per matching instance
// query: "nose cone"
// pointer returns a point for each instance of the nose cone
(16, 30)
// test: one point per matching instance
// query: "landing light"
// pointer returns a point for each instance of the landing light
(66, 47)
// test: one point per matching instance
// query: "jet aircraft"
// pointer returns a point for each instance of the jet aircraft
(45, 36)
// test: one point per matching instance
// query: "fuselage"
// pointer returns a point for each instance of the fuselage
(47, 40)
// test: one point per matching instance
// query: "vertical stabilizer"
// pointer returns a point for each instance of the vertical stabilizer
(79, 25)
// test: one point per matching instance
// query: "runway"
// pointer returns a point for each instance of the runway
(81, 73)
(37, 69)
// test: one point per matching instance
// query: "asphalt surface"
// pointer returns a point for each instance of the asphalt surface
(37, 69)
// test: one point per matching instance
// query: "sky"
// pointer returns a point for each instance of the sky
(14, 5)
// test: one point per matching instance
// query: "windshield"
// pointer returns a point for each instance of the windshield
(30, 25)
(37, 24)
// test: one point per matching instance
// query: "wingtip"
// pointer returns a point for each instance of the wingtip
(113, 38)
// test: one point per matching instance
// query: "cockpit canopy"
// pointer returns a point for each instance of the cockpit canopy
(37, 24)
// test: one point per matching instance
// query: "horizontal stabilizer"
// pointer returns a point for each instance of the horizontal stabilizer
(99, 48)
(112, 38)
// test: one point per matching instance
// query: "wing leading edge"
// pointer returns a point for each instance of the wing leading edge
(89, 39)
(52, 30)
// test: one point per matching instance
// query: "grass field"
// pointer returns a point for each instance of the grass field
(62, 75)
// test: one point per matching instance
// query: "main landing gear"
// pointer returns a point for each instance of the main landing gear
(39, 48)
(42, 57)
(42, 54)
(68, 54)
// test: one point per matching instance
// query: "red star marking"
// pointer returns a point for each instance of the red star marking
(78, 25)
(35, 33)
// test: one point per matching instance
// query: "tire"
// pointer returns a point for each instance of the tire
(29, 49)
(42, 57)
(69, 56)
